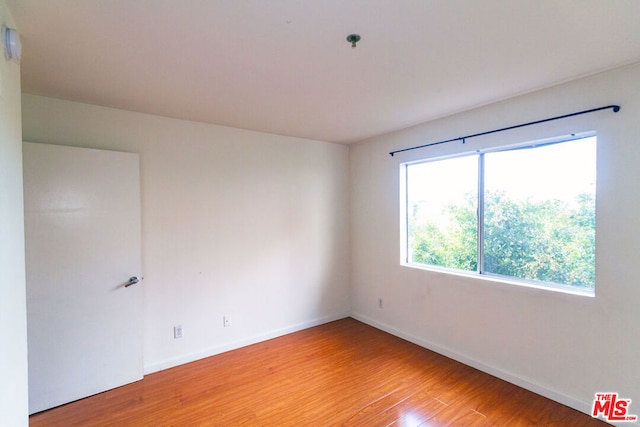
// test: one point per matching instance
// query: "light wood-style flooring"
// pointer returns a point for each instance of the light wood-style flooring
(343, 373)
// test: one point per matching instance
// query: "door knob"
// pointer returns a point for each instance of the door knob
(132, 281)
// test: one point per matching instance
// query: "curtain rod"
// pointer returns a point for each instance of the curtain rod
(615, 109)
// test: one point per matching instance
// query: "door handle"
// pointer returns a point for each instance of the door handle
(132, 281)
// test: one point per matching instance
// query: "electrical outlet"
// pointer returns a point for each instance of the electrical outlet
(379, 302)
(177, 331)
(226, 321)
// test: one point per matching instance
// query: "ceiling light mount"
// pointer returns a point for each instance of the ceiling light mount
(353, 39)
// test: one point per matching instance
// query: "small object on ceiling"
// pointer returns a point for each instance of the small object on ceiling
(11, 43)
(353, 39)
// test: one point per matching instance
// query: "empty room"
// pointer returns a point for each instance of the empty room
(319, 213)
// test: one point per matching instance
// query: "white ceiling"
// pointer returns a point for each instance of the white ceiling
(284, 66)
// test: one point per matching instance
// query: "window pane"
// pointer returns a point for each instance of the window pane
(539, 217)
(442, 213)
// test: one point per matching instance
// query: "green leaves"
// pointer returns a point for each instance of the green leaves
(549, 241)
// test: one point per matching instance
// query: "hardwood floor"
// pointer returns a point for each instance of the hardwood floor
(342, 373)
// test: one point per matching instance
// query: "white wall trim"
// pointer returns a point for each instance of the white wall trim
(578, 405)
(212, 351)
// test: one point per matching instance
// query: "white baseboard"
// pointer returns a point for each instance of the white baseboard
(212, 351)
(578, 405)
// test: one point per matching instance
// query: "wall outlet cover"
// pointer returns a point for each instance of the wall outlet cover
(177, 331)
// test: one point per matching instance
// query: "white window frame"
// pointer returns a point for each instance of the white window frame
(479, 273)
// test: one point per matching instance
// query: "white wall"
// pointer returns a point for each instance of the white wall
(237, 223)
(13, 351)
(564, 346)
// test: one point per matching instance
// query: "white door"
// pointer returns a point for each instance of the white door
(83, 244)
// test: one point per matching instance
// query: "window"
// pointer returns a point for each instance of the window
(525, 213)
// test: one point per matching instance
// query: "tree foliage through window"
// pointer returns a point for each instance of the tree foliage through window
(544, 239)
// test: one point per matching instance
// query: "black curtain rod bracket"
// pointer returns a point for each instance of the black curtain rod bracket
(463, 139)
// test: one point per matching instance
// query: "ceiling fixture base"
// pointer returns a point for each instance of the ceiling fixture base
(353, 39)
